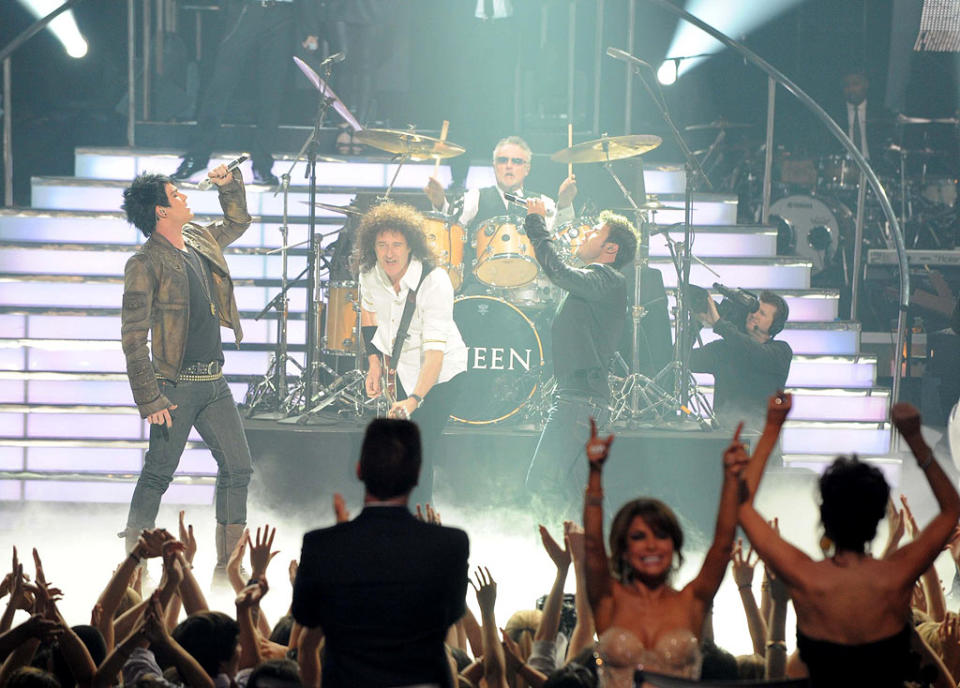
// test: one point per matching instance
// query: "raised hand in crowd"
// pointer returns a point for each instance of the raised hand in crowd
(561, 557)
(187, 539)
(247, 601)
(260, 554)
(516, 666)
(427, 514)
(340, 512)
(936, 602)
(743, 568)
(896, 527)
(494, 663)
(235, 562)
(583, 632)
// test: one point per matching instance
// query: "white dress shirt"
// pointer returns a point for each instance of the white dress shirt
(859, 111)
(432, 327)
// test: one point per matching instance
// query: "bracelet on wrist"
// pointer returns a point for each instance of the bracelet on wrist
(925, 464)
(778, 644)
(253, 581)
(418, 398)
(744, 586)
(593, 500)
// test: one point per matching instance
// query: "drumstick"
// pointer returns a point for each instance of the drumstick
(569, 145)
(443, 137)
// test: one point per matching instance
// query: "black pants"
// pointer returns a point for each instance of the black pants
(267, 35)
(432, 418)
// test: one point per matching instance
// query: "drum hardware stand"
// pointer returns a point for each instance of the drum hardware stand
(271, 391)
(680, 406)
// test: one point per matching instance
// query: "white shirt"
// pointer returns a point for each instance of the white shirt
(432, 327)
(860, 111)
(471, 205)
(502, 9)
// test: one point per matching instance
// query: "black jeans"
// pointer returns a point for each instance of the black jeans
(432, 418)
(270, 33)
(557, 474)
(209, 407)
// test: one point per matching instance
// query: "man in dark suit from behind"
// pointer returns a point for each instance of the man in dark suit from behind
(384, 587)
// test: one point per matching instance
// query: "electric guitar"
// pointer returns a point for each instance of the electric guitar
(388, 387)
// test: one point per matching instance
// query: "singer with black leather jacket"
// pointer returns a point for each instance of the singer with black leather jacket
(586, 330)
(748, 365)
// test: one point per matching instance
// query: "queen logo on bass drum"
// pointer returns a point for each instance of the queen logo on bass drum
(504, 359)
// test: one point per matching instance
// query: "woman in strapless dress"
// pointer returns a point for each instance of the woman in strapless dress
(853, 611)
(630, 590)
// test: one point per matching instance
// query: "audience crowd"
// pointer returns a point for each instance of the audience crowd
(377, 617)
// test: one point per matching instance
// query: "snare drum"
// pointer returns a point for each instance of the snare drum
(340, 329)
(504, 253)
(445, 240)
(504, 359)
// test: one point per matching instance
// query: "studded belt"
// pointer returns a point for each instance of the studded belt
(200, 372)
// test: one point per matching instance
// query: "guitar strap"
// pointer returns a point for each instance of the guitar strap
(406, 317)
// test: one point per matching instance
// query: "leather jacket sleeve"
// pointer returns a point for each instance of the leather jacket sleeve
(236, 219)
(139, 287)
(589, 284)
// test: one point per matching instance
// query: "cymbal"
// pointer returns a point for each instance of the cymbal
(416, 146)
(717, 124)
(649, 205)
(904, 119)
(345, 209)
(608, 148)
(894, 148)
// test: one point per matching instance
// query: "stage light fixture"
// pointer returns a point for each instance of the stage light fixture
(64, 26)
(735, 18)
(667, 74)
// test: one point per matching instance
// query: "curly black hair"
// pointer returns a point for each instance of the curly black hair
(141, 198)
(390, 217)
(854, 498)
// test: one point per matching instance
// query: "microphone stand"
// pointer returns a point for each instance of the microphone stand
(694, 173)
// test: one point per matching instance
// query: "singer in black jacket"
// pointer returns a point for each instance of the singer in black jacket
(585, 332)
(747, 366)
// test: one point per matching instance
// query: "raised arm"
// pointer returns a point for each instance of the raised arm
(583, 632)
(550, 622)
(705, 585)
(494, 662)
(599, 582)
(914, 558)
(930, 580)
(233, 201)
(743, 568)
(778, 407)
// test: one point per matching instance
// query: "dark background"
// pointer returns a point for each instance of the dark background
(438, 62)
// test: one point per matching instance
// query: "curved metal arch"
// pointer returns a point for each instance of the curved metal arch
(851, 150)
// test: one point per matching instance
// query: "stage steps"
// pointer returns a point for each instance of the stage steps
(68, 430)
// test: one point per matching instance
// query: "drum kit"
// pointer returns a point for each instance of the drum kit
(504, 301)
(818, 200)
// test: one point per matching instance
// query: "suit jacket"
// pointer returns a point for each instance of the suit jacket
(385, 588)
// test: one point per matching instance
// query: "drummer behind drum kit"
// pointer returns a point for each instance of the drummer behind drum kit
(815, 214)
(506, 375)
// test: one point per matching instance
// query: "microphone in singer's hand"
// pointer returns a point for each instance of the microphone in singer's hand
(231, 166)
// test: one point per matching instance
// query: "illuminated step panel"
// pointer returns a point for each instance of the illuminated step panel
(95, 492)
(126, 163)
(80, 328)
(891, 467)
(833, 404)
(721, 241)
(69, 193)
(808, 437)
(806, 305)
(748, 273)
(95, 227)
(825, 371)
(839, 338)
(66, 388)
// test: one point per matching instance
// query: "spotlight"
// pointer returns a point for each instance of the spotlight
(734, 18)
(64, 26)
(667, 74)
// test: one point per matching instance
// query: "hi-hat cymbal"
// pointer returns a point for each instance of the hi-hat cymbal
(608, 148)
(409, 143)
(717, 124)
(904, 119)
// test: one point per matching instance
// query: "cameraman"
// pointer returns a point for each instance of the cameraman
(747, 364)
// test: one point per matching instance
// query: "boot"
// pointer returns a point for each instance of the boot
(227, 536)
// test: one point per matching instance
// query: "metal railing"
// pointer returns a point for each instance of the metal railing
(776, 77)
(5, 54)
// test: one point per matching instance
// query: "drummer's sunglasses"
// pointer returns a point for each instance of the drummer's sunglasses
(503, 160)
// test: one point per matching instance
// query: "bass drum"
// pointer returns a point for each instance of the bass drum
(811, 227)
(504, 359)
